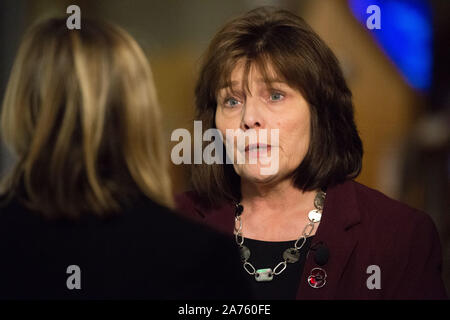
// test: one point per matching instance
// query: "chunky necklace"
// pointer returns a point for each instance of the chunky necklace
(290, 255)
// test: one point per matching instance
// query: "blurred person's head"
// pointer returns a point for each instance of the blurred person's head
(81, 114)
(269, 70)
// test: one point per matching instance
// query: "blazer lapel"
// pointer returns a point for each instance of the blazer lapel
(336, 231)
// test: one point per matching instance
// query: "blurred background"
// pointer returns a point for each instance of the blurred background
(399, 76)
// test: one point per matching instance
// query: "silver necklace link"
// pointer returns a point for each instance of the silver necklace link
(298, 247)
(290, 255)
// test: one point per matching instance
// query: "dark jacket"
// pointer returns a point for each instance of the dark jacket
(147, 252)
(361, 227)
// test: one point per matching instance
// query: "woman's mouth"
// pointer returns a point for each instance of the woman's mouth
(257, 148)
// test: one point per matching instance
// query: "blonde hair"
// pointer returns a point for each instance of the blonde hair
(82, 116)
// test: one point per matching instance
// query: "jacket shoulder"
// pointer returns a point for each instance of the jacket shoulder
(219, 217)
(406, 241)
(375, 205)
(188, 205)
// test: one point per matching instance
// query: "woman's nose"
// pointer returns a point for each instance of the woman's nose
(251, 116)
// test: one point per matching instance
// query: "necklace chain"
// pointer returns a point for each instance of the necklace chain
(290, 255)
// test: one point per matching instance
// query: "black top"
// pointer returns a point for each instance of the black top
(267, 254)
(147, 252)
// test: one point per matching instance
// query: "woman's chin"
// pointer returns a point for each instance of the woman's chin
(254, 173)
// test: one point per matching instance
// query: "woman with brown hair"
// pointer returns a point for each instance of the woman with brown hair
(85, 210)
(305, 230)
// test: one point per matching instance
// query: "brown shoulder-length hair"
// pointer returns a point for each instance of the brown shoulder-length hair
(81, 114)
(272, 38)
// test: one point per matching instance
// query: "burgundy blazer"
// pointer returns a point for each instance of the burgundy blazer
(361, 227)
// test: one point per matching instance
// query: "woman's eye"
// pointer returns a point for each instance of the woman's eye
(231, 102)
(276, 96)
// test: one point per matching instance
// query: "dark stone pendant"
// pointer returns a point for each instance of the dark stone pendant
(238, 209)
(291, 255)
(245, 253)
(319, 200)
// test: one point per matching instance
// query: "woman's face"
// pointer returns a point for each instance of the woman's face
(269, 106)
